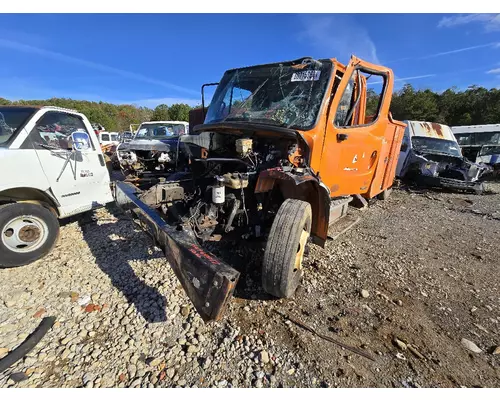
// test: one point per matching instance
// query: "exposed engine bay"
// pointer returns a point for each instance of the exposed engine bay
(209, 181)
(143, 156)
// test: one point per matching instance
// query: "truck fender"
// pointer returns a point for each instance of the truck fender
(30, 195)
(301, 187)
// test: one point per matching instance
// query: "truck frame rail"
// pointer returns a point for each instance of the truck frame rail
(208, 281)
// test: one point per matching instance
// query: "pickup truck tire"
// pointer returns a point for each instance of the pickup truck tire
(27, 232)
(282, 264)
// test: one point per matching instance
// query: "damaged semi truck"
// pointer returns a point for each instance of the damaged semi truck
(282, 151)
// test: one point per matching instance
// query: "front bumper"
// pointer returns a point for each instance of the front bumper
(208, 281)
(454, 184)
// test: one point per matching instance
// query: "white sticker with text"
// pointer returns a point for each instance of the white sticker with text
(302, 76)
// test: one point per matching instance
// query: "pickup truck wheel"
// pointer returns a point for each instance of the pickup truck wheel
(27, 232)
(385, 194)
(282, 264)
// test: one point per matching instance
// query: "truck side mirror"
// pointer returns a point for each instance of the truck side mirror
(80, 140)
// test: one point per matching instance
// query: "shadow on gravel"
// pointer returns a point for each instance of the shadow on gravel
(246, 257)
(113, 258)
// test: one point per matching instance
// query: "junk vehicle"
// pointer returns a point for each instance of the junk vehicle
(430, 156)
(52, 167)
(480, 143)
(282, 150)
(154, 148)
(125, 136)
(108, 138)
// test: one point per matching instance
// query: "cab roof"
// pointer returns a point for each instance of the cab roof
(476, 128)
(430, 129)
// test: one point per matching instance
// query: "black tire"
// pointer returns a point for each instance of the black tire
(39, 229)
(385, 194)
(282, 264)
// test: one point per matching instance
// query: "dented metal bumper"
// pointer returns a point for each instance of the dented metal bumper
(208, 281)
(448, 183)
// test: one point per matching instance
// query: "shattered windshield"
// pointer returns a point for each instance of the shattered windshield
(160, 131)
(277, 94)
(433, 145)
(11, 120)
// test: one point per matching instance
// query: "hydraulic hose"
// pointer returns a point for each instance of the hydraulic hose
(28, 345)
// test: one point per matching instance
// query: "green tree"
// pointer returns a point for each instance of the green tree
(179, 112)
(161, 113)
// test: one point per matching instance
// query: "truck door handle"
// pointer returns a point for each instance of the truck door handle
(342, 136)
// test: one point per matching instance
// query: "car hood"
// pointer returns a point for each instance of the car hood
(150, 144)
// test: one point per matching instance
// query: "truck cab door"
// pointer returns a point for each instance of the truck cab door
(78, 179)
(357, 130)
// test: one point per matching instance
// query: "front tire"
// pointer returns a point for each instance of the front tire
(282, 264)
(27, 232)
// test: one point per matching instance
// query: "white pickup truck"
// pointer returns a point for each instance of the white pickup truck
(51, 167)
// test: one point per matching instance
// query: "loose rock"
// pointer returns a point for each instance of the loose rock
(400, 344)
(471, 346)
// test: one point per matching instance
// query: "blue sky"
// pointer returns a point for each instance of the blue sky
(148, 59)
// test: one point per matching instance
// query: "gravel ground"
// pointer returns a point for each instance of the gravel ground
(415, 277)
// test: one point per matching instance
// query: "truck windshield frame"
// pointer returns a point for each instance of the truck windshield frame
(12, 121)
(160, 130)
(287, 94)
(431, 145)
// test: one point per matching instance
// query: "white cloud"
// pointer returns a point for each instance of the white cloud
(337, 36)
(444, 53)
(21, 47)
(494, 71)
(490, 22)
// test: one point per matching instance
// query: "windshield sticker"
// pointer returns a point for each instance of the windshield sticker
(303, 76)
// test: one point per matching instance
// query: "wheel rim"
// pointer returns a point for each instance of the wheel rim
(301, 249)
(24, 234)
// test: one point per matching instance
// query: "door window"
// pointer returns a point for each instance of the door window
(357, 108)
(54, 129)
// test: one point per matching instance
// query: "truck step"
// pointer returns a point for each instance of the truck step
(338, 209)
(342, 226)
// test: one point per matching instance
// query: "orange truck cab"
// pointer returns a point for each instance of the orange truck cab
(351, 143)
(279, 154)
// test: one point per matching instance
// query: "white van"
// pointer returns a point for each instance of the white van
(106, 138)
(430, 155)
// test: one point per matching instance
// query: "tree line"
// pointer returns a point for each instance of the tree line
(475, 105)
(114, 117)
